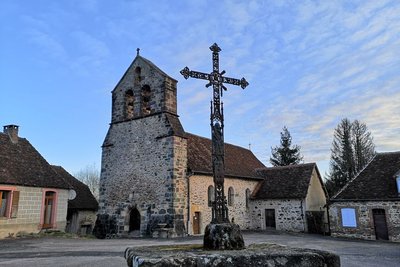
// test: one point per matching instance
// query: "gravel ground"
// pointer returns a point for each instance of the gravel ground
(110, 252)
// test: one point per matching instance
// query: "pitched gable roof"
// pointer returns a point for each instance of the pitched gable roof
(239, 162)
(285, 182)
(84, 199)
(22, 164)
(376, 181)
(141, 60)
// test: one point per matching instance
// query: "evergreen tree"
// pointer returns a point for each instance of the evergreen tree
(352, 149)
(285, 155)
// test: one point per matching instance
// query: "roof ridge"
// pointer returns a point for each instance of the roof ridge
(291, 166)
(226, 143)
(388, 152)
(355, 177)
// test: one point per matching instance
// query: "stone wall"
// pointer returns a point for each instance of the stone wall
(81, 222)
(29, 212)
(142, 169)
(364, 219)
(141, 74)
(289, 214)
(199, 200)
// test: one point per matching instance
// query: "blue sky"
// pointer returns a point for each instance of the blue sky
(309, 64)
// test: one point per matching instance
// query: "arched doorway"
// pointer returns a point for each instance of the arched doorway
(134, 220)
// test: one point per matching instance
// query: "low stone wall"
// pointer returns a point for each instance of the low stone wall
(269, 255)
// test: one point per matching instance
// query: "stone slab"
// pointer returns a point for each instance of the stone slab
(270, 255)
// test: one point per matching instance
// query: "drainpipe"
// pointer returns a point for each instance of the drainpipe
(188, 202)
(302, 215)
(327, 216)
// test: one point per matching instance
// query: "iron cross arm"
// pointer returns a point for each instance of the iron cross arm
(214, 78)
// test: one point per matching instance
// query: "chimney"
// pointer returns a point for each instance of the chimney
(12, 131)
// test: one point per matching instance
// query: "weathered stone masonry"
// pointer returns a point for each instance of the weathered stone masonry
(364, 219)
(144, 160)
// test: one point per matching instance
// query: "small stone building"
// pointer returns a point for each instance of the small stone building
(290, 198)
(156, 179)
(368, 206)
(33, 196)
(82, 209)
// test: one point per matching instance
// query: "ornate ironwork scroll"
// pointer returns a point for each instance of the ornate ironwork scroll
(217, 80)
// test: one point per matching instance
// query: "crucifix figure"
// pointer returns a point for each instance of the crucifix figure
(217, 80)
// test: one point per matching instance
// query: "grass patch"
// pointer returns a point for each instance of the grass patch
(51, 233)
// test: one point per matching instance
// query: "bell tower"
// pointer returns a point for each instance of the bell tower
(143, 172)
(143, 90)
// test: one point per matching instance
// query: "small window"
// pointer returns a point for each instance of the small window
(398, 184)
(146, 97)
(4, 203)
(349, 217)
(211, 195)
(248, 193)
(129, 99)
(138, 72)
(231, 196)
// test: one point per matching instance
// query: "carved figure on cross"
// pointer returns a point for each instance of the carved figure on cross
(217, 80)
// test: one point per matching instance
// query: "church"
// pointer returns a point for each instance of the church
(156, 178)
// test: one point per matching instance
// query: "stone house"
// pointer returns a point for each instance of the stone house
(33, 196)
(82, 209)
(156, 179)
(368, 206)
(290, 198)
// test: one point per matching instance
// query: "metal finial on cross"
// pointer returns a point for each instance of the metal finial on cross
(217, 80)
(137, 51)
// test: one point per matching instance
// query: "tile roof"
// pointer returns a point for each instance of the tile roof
(285, 182)
(84, 199)
(376, 182)
(22, 164)
(239, 162)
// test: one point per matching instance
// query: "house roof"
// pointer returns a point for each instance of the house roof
(84, 199)
(239, 162)
(376, 182)
(22, 164)
(285, 182)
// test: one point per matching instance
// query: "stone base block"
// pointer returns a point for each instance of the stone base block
(269, 255)
(223, 236)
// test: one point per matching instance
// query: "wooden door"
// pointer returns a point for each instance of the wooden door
(381, 230)
(196, 223)
(48, 210)
(270, 218)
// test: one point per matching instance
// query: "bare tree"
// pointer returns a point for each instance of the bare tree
(90, 176)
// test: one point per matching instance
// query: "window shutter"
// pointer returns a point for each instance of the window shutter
(14, 204)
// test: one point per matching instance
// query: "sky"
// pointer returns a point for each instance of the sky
(309, 64)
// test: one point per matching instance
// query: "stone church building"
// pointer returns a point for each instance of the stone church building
(156, 179)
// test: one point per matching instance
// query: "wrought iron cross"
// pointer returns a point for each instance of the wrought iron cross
(217, 80)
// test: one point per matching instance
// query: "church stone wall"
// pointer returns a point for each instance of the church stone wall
(138, 172)
(161, 87)
(199, 200)
(289, 214)
(364, 219)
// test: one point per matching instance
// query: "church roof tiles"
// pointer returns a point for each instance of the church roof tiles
(239, 162)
